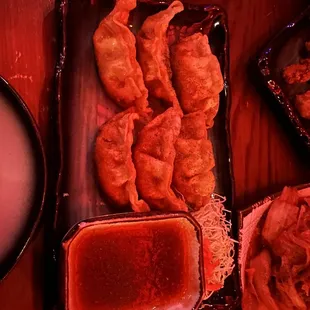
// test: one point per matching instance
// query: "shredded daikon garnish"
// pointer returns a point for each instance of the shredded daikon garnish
(216, 228)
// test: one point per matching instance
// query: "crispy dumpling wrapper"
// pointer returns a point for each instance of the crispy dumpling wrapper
(212, 105)
(154, 156)
(113, 158)
(192, 175)
(115, 51)
(154, 55)
(197, 76)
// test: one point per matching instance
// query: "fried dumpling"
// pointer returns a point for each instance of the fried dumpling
(192, 175)
(154, 156)
(115, 52)
(197, 76)
(113, 158)
(212, 105)
(154, 55)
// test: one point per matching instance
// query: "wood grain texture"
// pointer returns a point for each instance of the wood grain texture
(266, 155)
(27, 61)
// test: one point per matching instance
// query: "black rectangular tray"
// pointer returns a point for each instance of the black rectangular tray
(84, 106)
(285, 49)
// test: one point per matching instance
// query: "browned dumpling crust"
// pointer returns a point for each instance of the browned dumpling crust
(113, 158)
(154, 156)
(154, 55)
(197, 76)
(192, 175)
(115, 51)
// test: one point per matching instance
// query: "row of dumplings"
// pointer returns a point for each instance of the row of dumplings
(167, 164)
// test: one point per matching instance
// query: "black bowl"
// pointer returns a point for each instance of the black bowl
(23, 177)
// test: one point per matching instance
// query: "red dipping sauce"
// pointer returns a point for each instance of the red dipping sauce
(134, 262)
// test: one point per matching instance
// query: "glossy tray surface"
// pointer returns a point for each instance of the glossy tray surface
(84, 106)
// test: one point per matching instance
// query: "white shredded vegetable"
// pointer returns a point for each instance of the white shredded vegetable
(216, 228)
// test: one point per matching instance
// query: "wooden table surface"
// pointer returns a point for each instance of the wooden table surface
(265, 153)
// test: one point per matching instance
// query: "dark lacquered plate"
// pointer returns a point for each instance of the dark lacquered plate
(249, 219)
(84, 106)
(287, 48)
(22, 177)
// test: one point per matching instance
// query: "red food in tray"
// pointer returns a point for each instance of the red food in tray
(131, 262)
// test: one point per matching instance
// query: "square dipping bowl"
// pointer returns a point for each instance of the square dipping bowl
(133, 261)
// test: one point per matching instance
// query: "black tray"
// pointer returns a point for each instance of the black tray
(83, 106)
(283, 50)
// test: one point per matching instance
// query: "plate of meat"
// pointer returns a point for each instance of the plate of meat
(274, 251)
(143, 98)
(284, 66)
